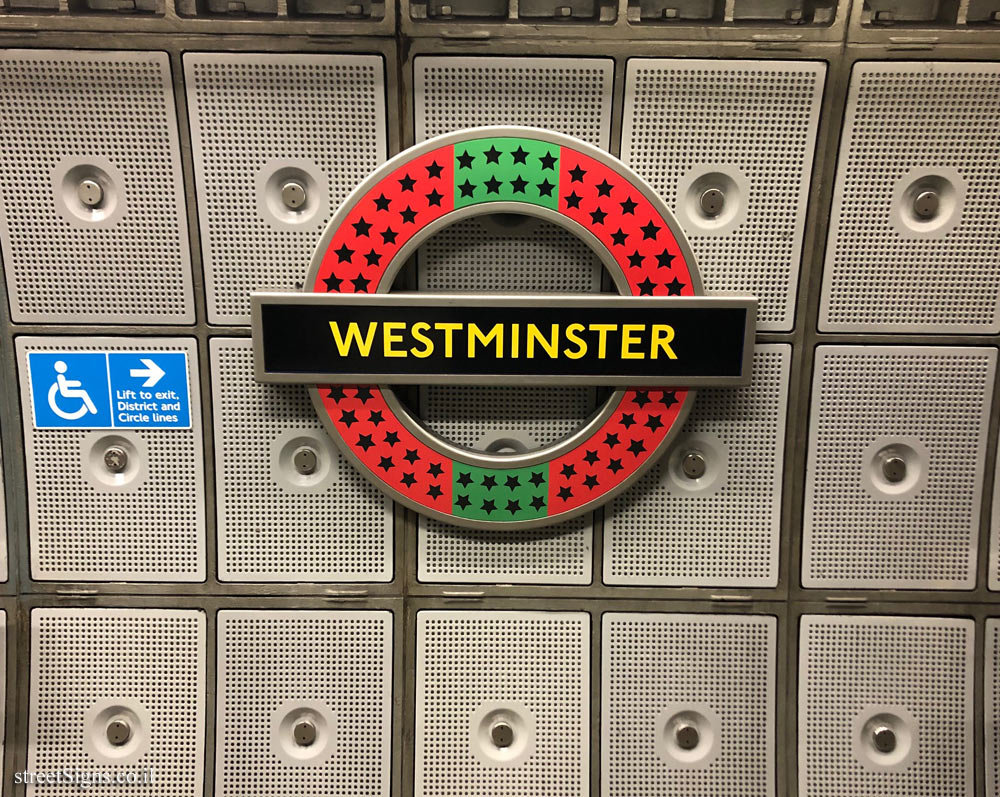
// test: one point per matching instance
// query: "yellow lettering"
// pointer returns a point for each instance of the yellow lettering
(551, 346)
(629, 340)
(389, 337)
(602, 341)
(418, 333)
(662, 335)
(353, 337)
(449, 334)
(515, 331)
(476, 334)
(573, 336)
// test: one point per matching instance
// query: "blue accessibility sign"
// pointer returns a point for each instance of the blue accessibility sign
(110, 390)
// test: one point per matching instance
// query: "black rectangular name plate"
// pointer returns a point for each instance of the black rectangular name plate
(427, 338)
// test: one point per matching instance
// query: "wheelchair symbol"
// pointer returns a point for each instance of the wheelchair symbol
(69, 389)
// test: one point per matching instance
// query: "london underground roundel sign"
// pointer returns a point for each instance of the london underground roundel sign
(352, 339)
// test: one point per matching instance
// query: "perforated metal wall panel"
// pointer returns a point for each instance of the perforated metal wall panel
(258, 123)
(88, 524)
(304, 703)
(67, 117)
(144, 668)
(747, 129)
(991, 707)
(568, 95)
(275, 523)
(687, 704)
(888, 268)
(895, 466)
(885, 706)
(721, 528)
(502, 704)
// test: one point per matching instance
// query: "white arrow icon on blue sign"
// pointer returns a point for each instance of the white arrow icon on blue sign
(152, 372)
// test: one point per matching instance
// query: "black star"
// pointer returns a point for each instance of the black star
(628, 206)
(668, 398)
(537, 479)
(654, 422)
(365, 441)
(598, 216)
(573, 201)
(565, 493)
(488, 507)
(619, 237)
(385, 463)
(375, 417)
(465, 160)
(604, 188)
(389, 235)
(434, 491)
(649, 231)
(513, 506)
(519, 155)
(635, 259)
(493, 155)
(462, 501)
(636, 447)
(590, 481)
(336, 393)
(467, 188)
(568, 470)
(548, 160)
(372, 258)
(493, 185)
(391, 438)
(382, 203)
(407, 183)
(361, 227)
(518, 184)
(641, 398)
(408, 479)
(362, 394)
(674, 287)
(347, 417)
(411, 455)
(545, 188)
(665, 259)
(512, 483)
(576, 174)
(465, 479)
(627, 420)
(489, 482)
(409, 215)
(615, 465)
(333, 283)
(611, 440)
(343, 254)
(646, 287)
(434, 198)
(434, 170)
(360, 284)
(435, 469)
(537, 502)
(591, 457)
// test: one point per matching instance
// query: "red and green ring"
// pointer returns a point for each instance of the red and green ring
(509, 170)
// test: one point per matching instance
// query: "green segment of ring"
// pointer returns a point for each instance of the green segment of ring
(506, 169)
(500, 493)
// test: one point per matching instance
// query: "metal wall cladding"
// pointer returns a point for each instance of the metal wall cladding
(119, 252)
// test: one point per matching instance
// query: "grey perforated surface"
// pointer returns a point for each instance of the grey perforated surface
(252, 115)
(658, 666)
(884, 271)
(928, 405)
(332, 669)
(274, 525)
(568, 95)
(994, 554)
(722, 529)
(530, 668)
(850, 667)
(79, 528)
(150, 662)
(61, 114)
(754, 122)
(991, 706)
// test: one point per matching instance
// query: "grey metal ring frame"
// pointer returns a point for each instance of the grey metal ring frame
(419, 430)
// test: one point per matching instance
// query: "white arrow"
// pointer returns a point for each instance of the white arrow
(152, 372)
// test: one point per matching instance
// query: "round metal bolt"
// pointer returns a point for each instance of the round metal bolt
(693, 465)
(305, 461)
(90, 193)
(304, 733)
(926, 204)
(687, 737)
(118, 732)
(293, 194)
(894, 469)
(884, 739)
(712, 201)
(116, 459)
(502, 734)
